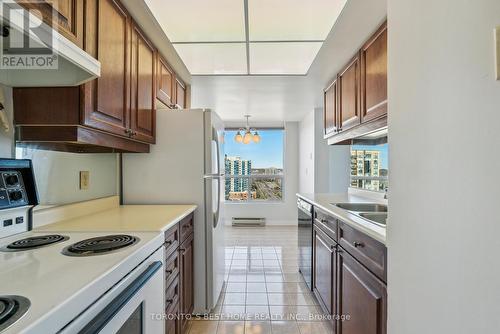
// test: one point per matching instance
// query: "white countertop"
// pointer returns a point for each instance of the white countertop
(125, 218)
(324, 202)
(60, 287)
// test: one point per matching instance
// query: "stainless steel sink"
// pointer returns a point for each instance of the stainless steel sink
(362, 207)
(376, 217)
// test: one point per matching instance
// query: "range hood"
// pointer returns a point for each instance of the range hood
(74, 66)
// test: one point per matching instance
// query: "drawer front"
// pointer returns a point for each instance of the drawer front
(171, 240)
(186, 227)
(172, 294)
(370, 252)
(172, 268)
(327, 223)
(172, 324)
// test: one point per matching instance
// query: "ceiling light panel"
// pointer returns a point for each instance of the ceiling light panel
(282, 58)
(200, 20)
(288, 20)
(214, 58)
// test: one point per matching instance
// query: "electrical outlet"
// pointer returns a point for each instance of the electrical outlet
(84, 180)
(497, 52)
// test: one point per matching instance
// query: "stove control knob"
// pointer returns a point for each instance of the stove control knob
(15, 196)
(11, 180)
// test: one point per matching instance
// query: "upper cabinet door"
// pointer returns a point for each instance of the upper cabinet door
(142, 99)
(180, 94)
(349, 91)
(165, 83)
(66, 16)
(108, 39)
(374, 76)
(330, 116)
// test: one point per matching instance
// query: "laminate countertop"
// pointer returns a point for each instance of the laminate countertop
(326, 203)
(125, 218)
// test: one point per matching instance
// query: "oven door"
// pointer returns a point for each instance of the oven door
(133, 306)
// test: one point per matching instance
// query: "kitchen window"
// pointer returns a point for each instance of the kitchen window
(369, 167)
(254, 171)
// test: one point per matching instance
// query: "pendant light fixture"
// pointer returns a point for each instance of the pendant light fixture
(247, 137)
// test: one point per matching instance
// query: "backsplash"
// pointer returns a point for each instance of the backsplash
(58, 175)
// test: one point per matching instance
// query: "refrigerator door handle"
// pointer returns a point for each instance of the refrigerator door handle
(213, 176)
(217, 213)
(215, 134)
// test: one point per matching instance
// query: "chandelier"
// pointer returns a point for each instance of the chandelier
(247, 137)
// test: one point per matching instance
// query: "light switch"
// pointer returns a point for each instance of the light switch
(84, 180)
(497, 52)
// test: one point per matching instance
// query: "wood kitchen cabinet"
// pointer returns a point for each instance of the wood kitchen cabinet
(65, 16)
(349, 275)
(362, 296)
(180, 94)
(143, 89)
(356, 102)
(114, 113)
(374, 76)
(324, 265)
(349, 95)
(186, 255)
(179, 274)
(165, 83)
(331, 109)
(107, 98)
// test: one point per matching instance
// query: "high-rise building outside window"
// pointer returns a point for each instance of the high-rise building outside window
(369, 167)
(254, 171)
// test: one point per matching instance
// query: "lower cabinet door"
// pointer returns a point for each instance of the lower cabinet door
(324, 270)
(173, 322)
(187, 279)
(362, 297)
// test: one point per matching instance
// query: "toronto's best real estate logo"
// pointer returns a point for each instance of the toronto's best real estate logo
(26, 41)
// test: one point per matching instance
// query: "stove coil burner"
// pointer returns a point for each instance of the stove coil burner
(35, 242)
(12, 308)
(100, 245)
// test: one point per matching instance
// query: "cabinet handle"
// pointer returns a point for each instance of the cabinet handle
(358, 244)
(168, 243)
(182, 250)
(169, 271)
(169, 301)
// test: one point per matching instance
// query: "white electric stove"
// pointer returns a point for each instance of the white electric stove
(76, 282)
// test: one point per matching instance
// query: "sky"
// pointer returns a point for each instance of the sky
(267, 153)
(384, 155)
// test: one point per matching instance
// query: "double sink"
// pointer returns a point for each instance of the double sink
(372, 212)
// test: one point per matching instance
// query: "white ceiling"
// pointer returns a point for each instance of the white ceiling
(278, 37)
(290, 98)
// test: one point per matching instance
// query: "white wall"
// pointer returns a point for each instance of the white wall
(444, 130)
(307, 154)
(322, 168)
(7, 138)
(284, 213)
(57, 173)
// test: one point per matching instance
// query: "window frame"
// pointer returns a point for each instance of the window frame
(281, 176)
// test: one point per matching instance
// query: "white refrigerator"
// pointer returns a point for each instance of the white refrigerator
(186, 166)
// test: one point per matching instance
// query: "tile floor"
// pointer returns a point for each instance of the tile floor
(264, 293)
